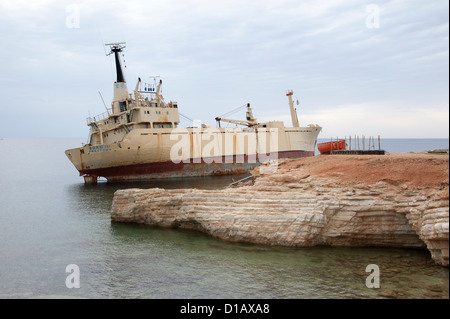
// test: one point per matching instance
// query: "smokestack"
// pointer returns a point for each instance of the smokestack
(120, 87)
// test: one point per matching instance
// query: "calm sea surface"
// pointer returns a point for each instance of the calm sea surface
(50, 219)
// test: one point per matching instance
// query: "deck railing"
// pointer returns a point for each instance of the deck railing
(99, 117)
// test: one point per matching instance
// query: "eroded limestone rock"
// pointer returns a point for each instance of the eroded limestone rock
(305, 212)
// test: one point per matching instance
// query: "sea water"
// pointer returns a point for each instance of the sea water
(49, 220)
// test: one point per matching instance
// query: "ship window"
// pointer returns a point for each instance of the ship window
(162, 125)
(122, 106)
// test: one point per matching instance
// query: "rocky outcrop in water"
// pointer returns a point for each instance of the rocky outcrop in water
(299, 207)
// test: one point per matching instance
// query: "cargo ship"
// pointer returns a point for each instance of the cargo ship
(139, 138)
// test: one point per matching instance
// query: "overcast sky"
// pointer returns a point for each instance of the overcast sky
(357, 67)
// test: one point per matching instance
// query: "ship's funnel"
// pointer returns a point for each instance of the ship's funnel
(120, 97)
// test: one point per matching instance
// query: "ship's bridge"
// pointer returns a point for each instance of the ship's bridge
(144, 108)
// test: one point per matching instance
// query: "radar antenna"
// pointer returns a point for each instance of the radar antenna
(115, 46)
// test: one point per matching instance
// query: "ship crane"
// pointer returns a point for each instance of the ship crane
(250, 120)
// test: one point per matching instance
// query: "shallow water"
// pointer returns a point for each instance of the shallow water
(50, 219)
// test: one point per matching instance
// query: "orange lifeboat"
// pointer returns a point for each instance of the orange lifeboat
(326, 148)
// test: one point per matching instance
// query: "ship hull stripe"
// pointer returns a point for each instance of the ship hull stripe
(220, 165)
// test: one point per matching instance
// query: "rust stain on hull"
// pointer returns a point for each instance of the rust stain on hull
(81, 160)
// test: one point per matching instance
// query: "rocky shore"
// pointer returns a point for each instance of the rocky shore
(395, 200)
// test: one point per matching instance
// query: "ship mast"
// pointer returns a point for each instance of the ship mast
(116, 48)
(120, 86)
(293, 112)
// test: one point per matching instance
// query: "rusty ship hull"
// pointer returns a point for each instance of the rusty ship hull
(194, 168)
(151, 159)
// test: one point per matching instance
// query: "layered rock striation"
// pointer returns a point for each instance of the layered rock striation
(302, 205)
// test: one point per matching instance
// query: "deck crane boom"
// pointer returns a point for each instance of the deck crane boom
(250, 120)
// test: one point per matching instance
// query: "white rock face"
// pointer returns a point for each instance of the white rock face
(305, 212)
